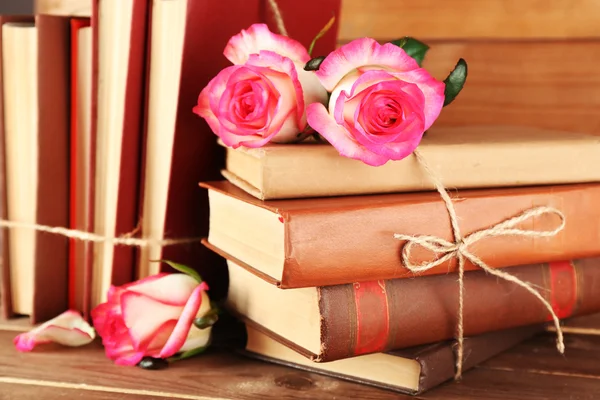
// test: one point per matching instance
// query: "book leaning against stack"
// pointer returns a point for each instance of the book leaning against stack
(317, 274)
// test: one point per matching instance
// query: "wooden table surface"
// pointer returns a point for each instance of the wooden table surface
(532, 371)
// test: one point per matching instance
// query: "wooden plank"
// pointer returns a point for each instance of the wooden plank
(434, 19)
(215, 375)
(586, 325)
(30, 390)
(547, 84)
(486, 384)
(540, 356)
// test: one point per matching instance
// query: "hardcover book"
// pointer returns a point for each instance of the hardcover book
(465, 157)
(185, 51)
(35, 134)
(118, 59)
(329, 323)
(412, 371)
(337, 240)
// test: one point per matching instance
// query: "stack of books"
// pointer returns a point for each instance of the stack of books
(316, 274)
(97, 135)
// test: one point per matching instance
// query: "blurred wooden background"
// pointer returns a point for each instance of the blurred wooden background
(531, 62)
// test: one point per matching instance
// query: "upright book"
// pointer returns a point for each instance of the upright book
(35, 108)
(82, 146)
(118, 60)
(185, 51)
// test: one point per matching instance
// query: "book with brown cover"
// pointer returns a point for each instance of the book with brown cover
(412, 371)
(463, 157)
(51, 251)
(336, 240)
(341, 321)
(195, 154)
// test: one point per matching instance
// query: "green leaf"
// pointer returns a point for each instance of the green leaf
(189, 353)
(455, 81)
(413, 48)
(183, 269)
(321, 33)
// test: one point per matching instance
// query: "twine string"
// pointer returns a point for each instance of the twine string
(445, 250)
(123, 240)
(278, 17)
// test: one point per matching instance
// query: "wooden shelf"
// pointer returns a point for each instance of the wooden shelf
(533, 370)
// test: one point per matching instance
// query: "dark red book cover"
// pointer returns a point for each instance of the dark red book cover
(129, 178)
(81, 185)
(196, 156)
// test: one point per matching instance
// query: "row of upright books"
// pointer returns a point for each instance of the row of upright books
(316, 274)
(98, 136)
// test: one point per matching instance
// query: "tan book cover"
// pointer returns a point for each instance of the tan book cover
(465, 157)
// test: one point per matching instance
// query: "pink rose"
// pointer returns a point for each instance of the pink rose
(262, 97)
(152, 317)
(381, 101)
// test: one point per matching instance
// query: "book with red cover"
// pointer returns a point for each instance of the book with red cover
(131, 17)
(336, 240)
(195, 155)
(51, 251)
(335, 322)
(81, 181)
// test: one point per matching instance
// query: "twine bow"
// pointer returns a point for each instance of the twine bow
(460, 249)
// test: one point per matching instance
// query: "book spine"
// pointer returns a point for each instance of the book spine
(334, 245)
(128, 201)
(51, 254)
(394, 314)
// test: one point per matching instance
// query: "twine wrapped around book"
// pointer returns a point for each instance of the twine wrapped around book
(460, 249)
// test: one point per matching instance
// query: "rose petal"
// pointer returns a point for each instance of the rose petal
(68, 329)
(179, 335)
(172, 289)
(198, 337)
(143, 316)
(320, 120)
(432, 89)
(289, 88)
(359, 53)
(258, 37)
(355, 83)
(208, 100)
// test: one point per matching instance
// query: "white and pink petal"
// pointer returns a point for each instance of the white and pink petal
(339, 137)
(258, 37)
(359, 53)
(68, 329)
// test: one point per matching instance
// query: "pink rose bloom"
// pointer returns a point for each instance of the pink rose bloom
(152, 317)
(381, 102)
(262, 97)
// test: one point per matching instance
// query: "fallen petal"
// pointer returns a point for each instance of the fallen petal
(68, 329)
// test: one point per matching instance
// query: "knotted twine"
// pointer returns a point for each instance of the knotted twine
(460, 247)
